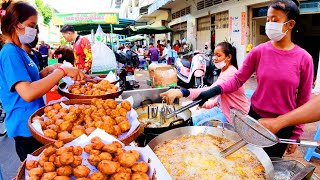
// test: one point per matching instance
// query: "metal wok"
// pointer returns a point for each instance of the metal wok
(218, 132)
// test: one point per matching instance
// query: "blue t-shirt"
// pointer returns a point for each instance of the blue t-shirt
(16, 66)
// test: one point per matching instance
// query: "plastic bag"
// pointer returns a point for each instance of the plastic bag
(103, 58)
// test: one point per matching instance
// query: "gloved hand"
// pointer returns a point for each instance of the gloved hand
(206, 95)
(171, 95)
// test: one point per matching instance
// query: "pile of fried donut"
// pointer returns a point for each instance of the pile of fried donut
(67, 124)
(90, 88)
(111, 160)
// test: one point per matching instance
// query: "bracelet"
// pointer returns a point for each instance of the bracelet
(64, 72)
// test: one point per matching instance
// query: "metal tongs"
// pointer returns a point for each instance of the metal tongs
(165, 109)
(178, 111)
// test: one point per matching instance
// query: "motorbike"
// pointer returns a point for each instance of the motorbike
(191, 73)
(126, 74)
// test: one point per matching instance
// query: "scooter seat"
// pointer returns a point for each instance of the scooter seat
(186, 63)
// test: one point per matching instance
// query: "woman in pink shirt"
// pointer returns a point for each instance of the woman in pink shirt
(284, 74)
(224, 59)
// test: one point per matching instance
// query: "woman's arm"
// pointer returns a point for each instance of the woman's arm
(30, 91)
(49, 69)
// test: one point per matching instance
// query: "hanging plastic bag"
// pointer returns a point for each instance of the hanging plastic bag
(103, 58)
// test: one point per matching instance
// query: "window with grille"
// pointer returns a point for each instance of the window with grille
(200, 5)
(222, 20)
(204, 23)
(208, 3)
(182, 12)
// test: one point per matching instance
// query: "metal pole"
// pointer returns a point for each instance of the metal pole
(111, 39)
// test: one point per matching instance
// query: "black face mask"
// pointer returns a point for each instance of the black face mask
(34, 43)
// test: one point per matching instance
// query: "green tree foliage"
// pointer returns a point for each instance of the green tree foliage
(63, 41)
(45, 11)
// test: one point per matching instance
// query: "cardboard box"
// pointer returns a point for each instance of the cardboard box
(163, 75)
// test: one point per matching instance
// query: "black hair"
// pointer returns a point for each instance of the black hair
(67, 54)
(289, 7)
(67, 28)
(16, 13)
(150, 44)
(228, 49)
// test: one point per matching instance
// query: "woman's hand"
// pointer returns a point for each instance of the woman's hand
(271, 124)
(171, 95)
(74, 73)
(291, 148)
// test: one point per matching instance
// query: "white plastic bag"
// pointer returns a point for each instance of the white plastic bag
(103, 58)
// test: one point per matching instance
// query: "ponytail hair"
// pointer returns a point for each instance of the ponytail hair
(228, 49)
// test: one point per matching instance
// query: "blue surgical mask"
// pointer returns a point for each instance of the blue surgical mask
(28, 36)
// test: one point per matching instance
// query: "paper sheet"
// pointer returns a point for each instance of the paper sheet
(146, 155)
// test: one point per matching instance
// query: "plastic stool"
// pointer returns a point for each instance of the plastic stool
(312, 151)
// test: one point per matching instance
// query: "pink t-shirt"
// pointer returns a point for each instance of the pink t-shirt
(236, 99)
(284, 80)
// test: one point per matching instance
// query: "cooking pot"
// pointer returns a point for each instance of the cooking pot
(260, 154)
(183, 119)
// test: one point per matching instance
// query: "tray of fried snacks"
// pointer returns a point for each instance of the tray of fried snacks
(69, 119)
(98, 156)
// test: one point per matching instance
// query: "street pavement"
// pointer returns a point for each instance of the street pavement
(10, 163)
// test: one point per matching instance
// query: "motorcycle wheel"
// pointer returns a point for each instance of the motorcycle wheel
(197, 82)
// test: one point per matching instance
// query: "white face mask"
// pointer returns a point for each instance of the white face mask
(220, 65)
(274, 30)
(28, 36)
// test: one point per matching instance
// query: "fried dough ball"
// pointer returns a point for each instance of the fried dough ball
(53, 127)
(95, 115)
(64, 110)
(124, 169)
(110, 148)
(127, 159)
(115, 113)
(88, 148)
(96, 93)
(99, 124)
(88, 111)
(108, 112)
(57, 106)
(89, 130)
(109, 129)
(52, 157)
(135, 153)
(81, 171)
(34, 178)
(90, 84)
(101, 112)
(120, 176)
(83, 89)
(71, 116)
(120, 151)
(49, 151)
(97, 145)
(120, 119)
(117, 131)
(58, 122)
(96, 139)
(78, 132)
(66, 158)
(94, 159)
(57, 116)
(83, 178)
(140, 167)
(66, 126)
(105, 156)
(90, 124)
(77, 161)
(49, 122)
(49, 176)
(49, 167)
(108, 167)
(111, 103)
(47, 109)
(108, 120)
(61, 150)
(58, 144)
(62, 178)
(65, 136)
(75, 110)
(95, 152)
(43, 159)
(124, 126)
(64, 171)
(52, 113)
(123, 112)
(139, 176)
(35, 172)
(77, 150)
(76, 91)
(98, 176)
(43, 124)
(57, 162)
(117, 144)
(31, 164)
(126, 105)
(111, 91)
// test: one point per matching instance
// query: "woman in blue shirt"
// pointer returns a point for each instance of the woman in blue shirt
(21, 84)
